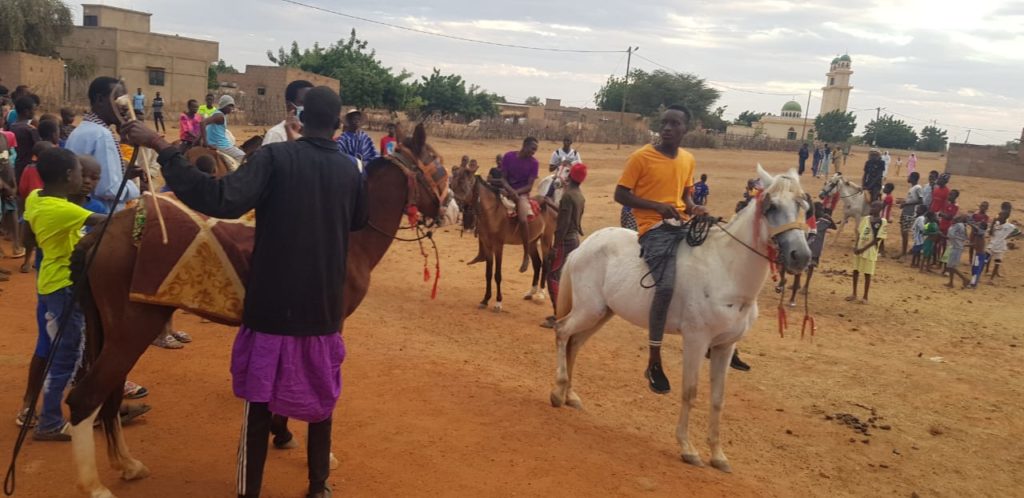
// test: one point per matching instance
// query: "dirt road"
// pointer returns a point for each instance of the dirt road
(443, 399)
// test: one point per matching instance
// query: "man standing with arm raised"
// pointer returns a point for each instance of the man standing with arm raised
(287, 355)
(657, 185)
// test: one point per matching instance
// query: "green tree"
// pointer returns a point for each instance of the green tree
(448, 94)
(532, 100)
(34, 26)
(220, 67)
(366, 82)
(888, 131)
(748, 118)
(714, 119)
(650, 91)
(835, 126)
(932, 139)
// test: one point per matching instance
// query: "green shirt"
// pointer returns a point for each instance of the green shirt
(57, 224)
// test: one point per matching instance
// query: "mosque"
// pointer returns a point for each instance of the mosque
(790, 123)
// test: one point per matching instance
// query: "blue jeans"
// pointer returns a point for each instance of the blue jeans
(67, 354)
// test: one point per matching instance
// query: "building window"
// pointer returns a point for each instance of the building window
(831, 81)
(261, 91)
(156, 76)
(791, 134)
(90, 21)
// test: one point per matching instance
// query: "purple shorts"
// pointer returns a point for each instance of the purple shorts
(298, 377)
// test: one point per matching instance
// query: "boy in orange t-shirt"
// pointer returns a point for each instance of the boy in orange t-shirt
(657, 185)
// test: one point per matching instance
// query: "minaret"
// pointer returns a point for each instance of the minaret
(836, 92)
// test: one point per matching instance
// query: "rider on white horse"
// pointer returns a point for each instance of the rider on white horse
(657, 185)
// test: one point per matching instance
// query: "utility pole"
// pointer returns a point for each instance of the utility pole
(625, 92)
(878, 115)
(968, 135)
(807, 111)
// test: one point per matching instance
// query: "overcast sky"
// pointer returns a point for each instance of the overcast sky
(955, 61)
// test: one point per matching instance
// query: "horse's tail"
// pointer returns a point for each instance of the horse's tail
(564, 305)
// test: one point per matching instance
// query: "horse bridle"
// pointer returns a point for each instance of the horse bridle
(773, 232)
(418, 172)
(860, 190)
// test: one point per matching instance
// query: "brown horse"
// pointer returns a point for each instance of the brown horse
(119, 330)
(495, 230)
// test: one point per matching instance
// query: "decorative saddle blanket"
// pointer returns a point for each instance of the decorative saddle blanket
(203, 267)
(510, 206)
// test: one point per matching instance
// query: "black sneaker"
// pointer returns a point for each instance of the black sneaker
(656, 379)
(738, 364)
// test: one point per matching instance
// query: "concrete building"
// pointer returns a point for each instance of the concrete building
(835, 95)
(987, 161)
(553, 115)
(43, 75)
(789, 124)
(118, 42)
(259, 91)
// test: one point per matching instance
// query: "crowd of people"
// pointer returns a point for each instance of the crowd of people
(60, 179)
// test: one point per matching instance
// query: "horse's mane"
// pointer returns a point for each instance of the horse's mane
(786, 183)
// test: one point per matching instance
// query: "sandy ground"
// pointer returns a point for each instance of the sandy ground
(444, 399)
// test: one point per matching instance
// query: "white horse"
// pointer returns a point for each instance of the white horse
(715, 300)
(855, 201)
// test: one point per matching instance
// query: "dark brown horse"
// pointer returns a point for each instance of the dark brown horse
(495, 230)
(119, 330)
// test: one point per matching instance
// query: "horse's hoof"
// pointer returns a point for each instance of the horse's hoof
(693, 460)
(574, 401)
(135, 472)
(334, 462)
(101, 493)
(482, 306)
(556, 399)
(497, 308)
(722, 465)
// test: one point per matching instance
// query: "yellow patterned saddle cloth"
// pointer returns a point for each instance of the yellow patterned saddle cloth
(203, 267)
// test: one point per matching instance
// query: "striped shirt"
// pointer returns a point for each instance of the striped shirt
(358, 145)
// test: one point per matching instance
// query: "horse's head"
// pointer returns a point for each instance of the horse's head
(783, 205)
(831, 186)
(428, 178)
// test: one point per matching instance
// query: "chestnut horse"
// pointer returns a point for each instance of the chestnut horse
(495, 230)
(119, 330)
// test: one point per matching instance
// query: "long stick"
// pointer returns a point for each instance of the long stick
(124, 102)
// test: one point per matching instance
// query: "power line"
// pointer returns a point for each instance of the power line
(451, 37)
(715, 83)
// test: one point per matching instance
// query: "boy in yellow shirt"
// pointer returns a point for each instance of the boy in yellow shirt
(657, 186)
(57, 224)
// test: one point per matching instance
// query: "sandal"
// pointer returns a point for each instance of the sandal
(132, 412)
(23, 420)
(168, 342)
(134, 391)
(181, 336)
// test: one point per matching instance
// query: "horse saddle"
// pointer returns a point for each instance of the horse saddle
(512, 207)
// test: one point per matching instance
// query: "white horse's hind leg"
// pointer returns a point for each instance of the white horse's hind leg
(720, 356)
(532, 292)
(83, 447)
(570, 333)
(131, 469)
(693, 354)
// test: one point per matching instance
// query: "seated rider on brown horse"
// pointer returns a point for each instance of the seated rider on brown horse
(520, 170)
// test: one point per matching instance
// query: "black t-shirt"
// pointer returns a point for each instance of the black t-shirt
(307, 197)
(158, 105)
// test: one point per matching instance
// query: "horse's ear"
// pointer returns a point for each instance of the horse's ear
(419, 139)
(766, 178)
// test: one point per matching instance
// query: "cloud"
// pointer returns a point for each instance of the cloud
(866, 34)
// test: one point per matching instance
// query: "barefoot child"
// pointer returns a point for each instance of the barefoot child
(917, 231)
(931, 234)
(870, 233)
(956, 239)
(887, 202)
(1002, 229)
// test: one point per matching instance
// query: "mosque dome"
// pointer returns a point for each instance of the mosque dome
(844, 58)
(835, 61)
(792, 105)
